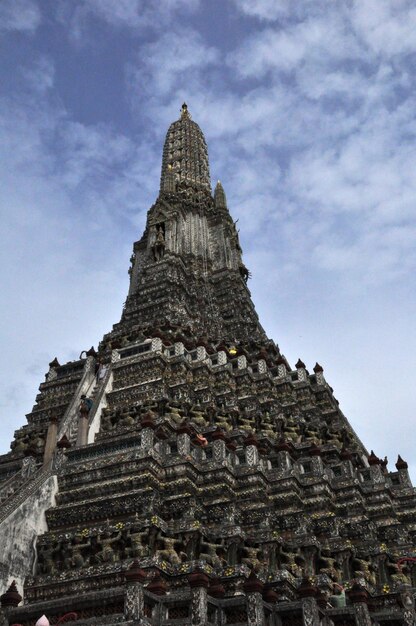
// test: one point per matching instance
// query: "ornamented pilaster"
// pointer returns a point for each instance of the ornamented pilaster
(184, 444)
(252, 453)
(253, 588)
(148, 437)
(199, 582)
(51, 438)
(359, 597)
(82, 434)
(134, 598)
(310, 612)
(219, 451)
(307, 592)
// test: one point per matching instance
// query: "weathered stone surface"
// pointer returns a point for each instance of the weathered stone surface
(18, 533)
(205, 479)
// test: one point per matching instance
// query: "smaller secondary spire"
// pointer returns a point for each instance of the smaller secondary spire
(219, 196)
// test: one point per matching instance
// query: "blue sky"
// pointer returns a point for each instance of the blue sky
(308, 109)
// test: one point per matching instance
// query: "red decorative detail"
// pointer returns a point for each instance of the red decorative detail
(64, 442)
(219, 434)
(157, 586)
(315, 450)
(185, 428)
(373, 459)
(283, 445)
(357, 594)
(300, 365)
(200, 440)
(307, 589)
(400, 464)
(161, 434)
(253, 584)
(345, 454)
(198, 579)
(135, 573)
(270, 595)
(406, 559)
(148, 421)
(251, 440)
(216, 588)
(318, 368)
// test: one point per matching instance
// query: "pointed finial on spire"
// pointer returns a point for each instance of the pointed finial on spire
(184, 110)
(400, 465)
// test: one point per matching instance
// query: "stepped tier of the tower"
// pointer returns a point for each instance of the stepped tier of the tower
(187, 273)
(227, 463)
(185, 474)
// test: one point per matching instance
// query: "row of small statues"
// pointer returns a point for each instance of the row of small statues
(135, 543)
(292, 428)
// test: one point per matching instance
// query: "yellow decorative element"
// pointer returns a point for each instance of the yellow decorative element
(386, 588)
(119, 525)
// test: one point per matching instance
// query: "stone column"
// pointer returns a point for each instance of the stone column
(359, 597)
(82, 435)
(51, 438)
(147, 440)
(134, 597)
(184, 438)
(308, 592)
(253, 588)
(198, 581)
(148, 428)
(283, 450)
(252, 453)
(317, 464)
(219, 452)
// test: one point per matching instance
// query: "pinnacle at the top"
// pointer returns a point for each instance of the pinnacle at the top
(185, 112)
(185, 156)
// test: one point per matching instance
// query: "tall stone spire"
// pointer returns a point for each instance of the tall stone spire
(187, 268)
(185, 156)
(203, 463)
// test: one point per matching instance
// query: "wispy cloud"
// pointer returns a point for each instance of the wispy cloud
(134, 15)
(19, 15)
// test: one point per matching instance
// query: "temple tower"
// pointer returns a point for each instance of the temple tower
(184, 473)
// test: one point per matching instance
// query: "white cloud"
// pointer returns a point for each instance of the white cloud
(177, 60)
(40, 75)
(271, 10)
(20, 15)
(136, 15)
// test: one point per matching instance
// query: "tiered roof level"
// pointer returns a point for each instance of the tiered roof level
(209, 482)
